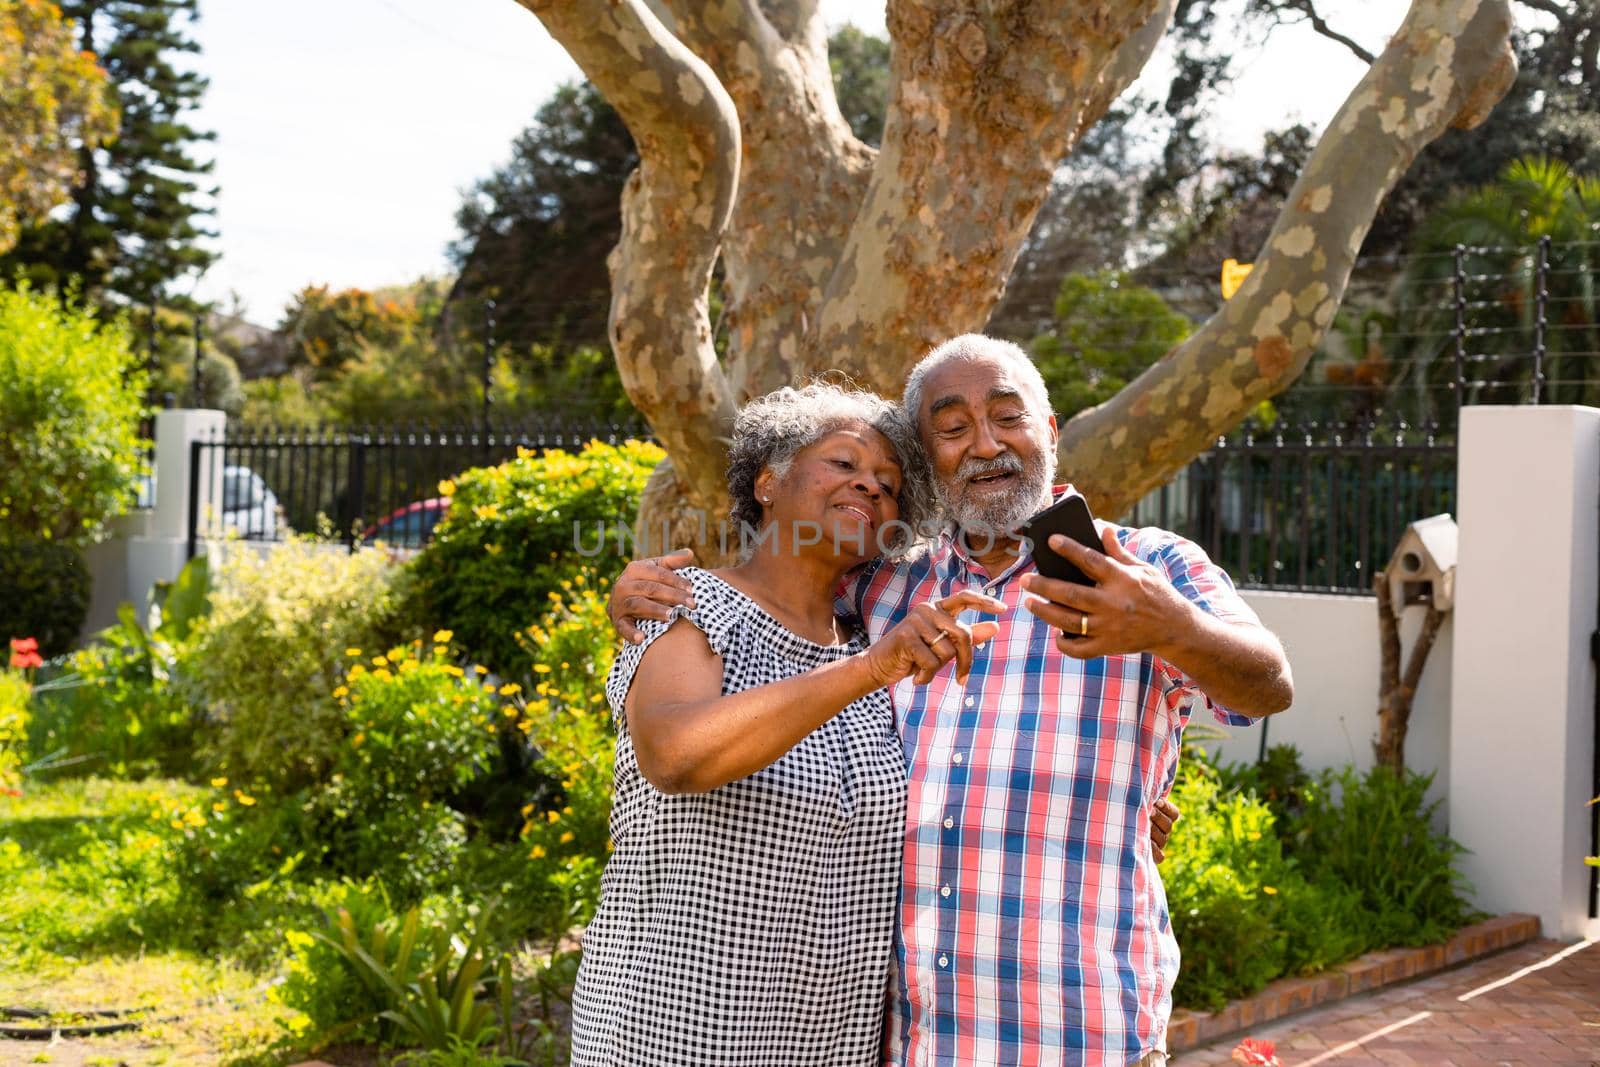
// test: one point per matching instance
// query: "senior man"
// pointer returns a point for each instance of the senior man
(1033, 923)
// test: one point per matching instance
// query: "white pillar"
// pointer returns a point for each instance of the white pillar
(1522, 723)
(176, 431)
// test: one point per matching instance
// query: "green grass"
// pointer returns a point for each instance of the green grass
(92, 917)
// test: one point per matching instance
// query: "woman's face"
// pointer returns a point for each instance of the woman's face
(837, 496)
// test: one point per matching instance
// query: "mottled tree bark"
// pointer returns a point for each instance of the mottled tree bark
(839, 259)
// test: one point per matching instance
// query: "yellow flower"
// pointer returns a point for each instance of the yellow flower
(487, 511)
(1269, 890)
(509, 711)
(537, 853)
(218, 783)
(447, 487)
(358, 739)
(177, 824)
(553, 816)
(527, 809)
(567, 837)
(1254, 835)
(541, 668)
(380, 660)
(452, 669)
(510, 688)
(352, 652)
(441, 650)
(219, 806)
(193, 818)
(382, 672)
(342, 691)
(442, 637)
(494, 548)
(244, 798)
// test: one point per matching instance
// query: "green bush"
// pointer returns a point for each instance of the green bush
(1374, 834)
(121, 709)
(46, 587)
(1329, 867)
(14, 692)
(267, 659)
(508, 541)
(71, 392)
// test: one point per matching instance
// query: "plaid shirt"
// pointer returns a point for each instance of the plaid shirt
(1033, 923)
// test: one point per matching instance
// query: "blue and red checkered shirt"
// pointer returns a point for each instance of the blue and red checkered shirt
(1033, 923)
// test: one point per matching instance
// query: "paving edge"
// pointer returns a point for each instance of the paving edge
(1290, 996)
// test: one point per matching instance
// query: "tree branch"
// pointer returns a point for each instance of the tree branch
(1448, 65)
(1549, 7)
(1308, 8)
(674, 209)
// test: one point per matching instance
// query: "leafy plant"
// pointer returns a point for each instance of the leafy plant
(512, 534)
(71, 392)
(271, 652)
(1373, 833)
(436, 988)
(124, 707)
(14, 693)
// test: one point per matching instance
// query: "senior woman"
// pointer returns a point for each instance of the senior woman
(748, 909)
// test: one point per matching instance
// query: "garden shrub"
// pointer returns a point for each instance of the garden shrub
(71, 390)
(271, 652)
(1373, 832)
(14, 693)
(1331, 866)
(46, 587)
(508, 541)
(121, 709)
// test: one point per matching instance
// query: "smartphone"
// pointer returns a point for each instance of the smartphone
(1068, 516)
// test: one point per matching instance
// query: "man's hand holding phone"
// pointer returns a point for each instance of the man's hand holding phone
(1130, 608)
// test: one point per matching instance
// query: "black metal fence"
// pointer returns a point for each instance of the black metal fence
(1307, 508)
(357, 486)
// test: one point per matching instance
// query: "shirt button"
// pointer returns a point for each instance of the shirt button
(948, 822)
(956, 758)
(969, 702)
(945, 892)
(944, 961)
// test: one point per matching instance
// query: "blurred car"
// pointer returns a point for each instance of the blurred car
(250, 508)
(410, 526)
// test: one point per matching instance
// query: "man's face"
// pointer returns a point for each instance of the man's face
(991, 442)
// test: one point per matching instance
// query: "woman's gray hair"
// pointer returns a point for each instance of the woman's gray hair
(771, 430)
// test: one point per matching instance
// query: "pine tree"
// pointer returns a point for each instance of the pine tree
(135, 221)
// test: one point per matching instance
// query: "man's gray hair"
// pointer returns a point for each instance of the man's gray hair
(973, 347)
(771, 430)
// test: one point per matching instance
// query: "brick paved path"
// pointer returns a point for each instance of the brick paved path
(1522, 1007)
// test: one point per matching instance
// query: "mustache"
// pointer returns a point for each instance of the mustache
(1007, 462)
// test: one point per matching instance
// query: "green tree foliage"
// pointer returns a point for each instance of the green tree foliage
(70, 400)
(53, 104)
(535, 234)
(860, 64)
(1107, 330)
(134, 224)
(1499, 225)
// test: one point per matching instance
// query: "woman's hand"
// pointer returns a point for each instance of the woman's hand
(930, 636)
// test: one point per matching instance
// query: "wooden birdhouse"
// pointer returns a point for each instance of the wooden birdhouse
(1423, 567)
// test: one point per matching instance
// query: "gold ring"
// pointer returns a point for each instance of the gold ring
(1083, 626)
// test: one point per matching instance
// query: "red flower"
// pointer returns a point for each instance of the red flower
(25, 653)
(1253, 1052)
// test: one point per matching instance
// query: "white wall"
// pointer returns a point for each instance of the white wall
(1332, 643)
(1523, 711)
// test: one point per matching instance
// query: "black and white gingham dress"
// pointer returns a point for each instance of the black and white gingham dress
(751, 925)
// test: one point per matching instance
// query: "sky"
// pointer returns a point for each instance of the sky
(347, 131)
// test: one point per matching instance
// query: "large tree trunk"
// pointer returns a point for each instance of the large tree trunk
(839, 259)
